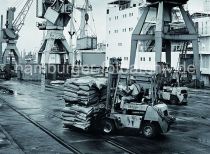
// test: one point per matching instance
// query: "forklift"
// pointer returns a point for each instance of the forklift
(148, 116)
(170, 89)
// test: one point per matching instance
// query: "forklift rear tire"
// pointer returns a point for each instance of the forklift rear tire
(108, 126)
(149, 130)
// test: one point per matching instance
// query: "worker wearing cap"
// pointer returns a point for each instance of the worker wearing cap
(132, 92)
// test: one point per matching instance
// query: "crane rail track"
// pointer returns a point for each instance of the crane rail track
(51, 134)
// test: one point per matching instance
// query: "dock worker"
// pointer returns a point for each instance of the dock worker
(132, 93)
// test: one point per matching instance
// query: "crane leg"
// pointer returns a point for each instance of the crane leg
(192, 30)
(17, 55)
(11, 48)
(158, 36)
(39, 58)
(5, 55)
(48, 48)
(196, 59)
(69, 52)
(168, 53)
(137, 31)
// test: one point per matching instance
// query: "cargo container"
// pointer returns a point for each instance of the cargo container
(87, 43)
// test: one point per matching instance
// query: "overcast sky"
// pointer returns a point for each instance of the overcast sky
(30, 36)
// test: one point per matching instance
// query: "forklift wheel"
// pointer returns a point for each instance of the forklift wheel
(149, 130)
(174, 100)
(108, 126)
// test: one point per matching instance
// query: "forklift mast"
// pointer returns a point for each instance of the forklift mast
(113, 75)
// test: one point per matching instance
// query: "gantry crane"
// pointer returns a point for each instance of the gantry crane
(12, 29)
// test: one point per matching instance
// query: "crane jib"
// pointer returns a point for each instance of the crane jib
(19, 21)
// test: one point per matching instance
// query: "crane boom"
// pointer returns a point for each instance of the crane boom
(19, 21)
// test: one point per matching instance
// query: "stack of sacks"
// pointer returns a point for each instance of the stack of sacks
(103, 95)
(83, 101)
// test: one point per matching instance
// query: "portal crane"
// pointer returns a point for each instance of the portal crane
(13, 27)
(56, 15)
(163, 35)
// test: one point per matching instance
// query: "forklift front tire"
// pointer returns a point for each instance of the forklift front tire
(108, 126)
(149, 130)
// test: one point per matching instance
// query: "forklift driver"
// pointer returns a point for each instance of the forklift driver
(132, 92)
